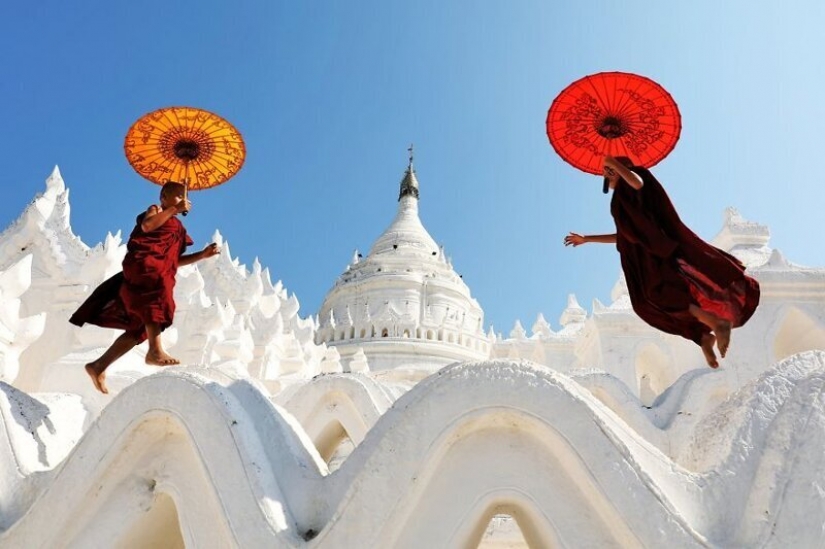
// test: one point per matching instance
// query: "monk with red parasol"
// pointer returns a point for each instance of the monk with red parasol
(677, 282)
(176, 147)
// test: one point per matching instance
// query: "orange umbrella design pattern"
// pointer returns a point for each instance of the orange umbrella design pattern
(185, 144)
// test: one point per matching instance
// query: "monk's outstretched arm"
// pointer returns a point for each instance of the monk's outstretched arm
(188, 259)
(601, 238)
(208, 251)
(575, 239)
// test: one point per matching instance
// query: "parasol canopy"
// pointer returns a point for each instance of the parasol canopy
(184, 144)
(616, 114)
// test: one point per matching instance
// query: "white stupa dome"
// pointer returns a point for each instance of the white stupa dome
(403, 304)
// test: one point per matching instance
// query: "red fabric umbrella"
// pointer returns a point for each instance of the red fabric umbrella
(615, 113)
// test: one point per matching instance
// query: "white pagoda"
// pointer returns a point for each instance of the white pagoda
(391, 419)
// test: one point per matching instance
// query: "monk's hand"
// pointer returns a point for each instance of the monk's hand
(183, 206)
(609, 165)
(210, 250)
(574, 239)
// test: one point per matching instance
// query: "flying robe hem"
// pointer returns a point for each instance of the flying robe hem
(668, 267)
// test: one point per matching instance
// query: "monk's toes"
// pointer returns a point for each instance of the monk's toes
(723, 338)
(97, 379)
(162, 360)
(708, 340)
(711, 360)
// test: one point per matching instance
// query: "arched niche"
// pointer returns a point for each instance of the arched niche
(159, 526)
(797, 332)
(503, 530)
(653, 372)
(334, 444)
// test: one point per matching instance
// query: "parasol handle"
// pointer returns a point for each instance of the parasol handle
(185, 193)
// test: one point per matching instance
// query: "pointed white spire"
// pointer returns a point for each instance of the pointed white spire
(290, 307)
(738, 232)
(518, 331)
(112, 241)
(574, 312)
(405, 233)
(442, 256)
(359, 363)
(541, 328)
(777, 260)
(356, 257)
(620, 288)
(266, 278)
(226, 254)
(54, 182)
(330, 320)
(331, 363)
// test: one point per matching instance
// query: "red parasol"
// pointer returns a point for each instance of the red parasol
(615, 113)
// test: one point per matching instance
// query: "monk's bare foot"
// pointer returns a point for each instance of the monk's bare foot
(707, 348)
(722, 332)
(160, 358)
(98, 378)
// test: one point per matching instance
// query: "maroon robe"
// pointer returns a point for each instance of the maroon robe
(144, 291)
(668, 267)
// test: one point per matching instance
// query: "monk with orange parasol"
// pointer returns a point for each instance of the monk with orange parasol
(618, 125)
(182, 149)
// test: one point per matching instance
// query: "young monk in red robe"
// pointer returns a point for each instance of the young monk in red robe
(140, 300)
(677, 282)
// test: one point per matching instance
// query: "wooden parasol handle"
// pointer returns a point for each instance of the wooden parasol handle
(185, 190)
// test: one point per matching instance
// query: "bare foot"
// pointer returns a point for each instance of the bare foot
(99, 379)
(707, 348)
(722, 332)
(160, 358)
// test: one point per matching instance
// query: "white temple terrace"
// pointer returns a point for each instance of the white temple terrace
(391, 418)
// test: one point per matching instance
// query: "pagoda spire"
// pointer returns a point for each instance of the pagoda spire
(409, 185)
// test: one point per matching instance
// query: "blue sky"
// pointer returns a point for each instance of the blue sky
(328, 96)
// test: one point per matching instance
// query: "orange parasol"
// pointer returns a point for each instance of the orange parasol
(184, 144)
(615, 113)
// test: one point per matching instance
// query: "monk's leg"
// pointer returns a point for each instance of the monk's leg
(707, 349)
(97, 369)
(721, 327)
(156, 356)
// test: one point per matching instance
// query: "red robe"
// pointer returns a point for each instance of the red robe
(668, 267)
(144, 291)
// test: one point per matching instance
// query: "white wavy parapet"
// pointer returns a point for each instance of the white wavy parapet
(192, 456)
